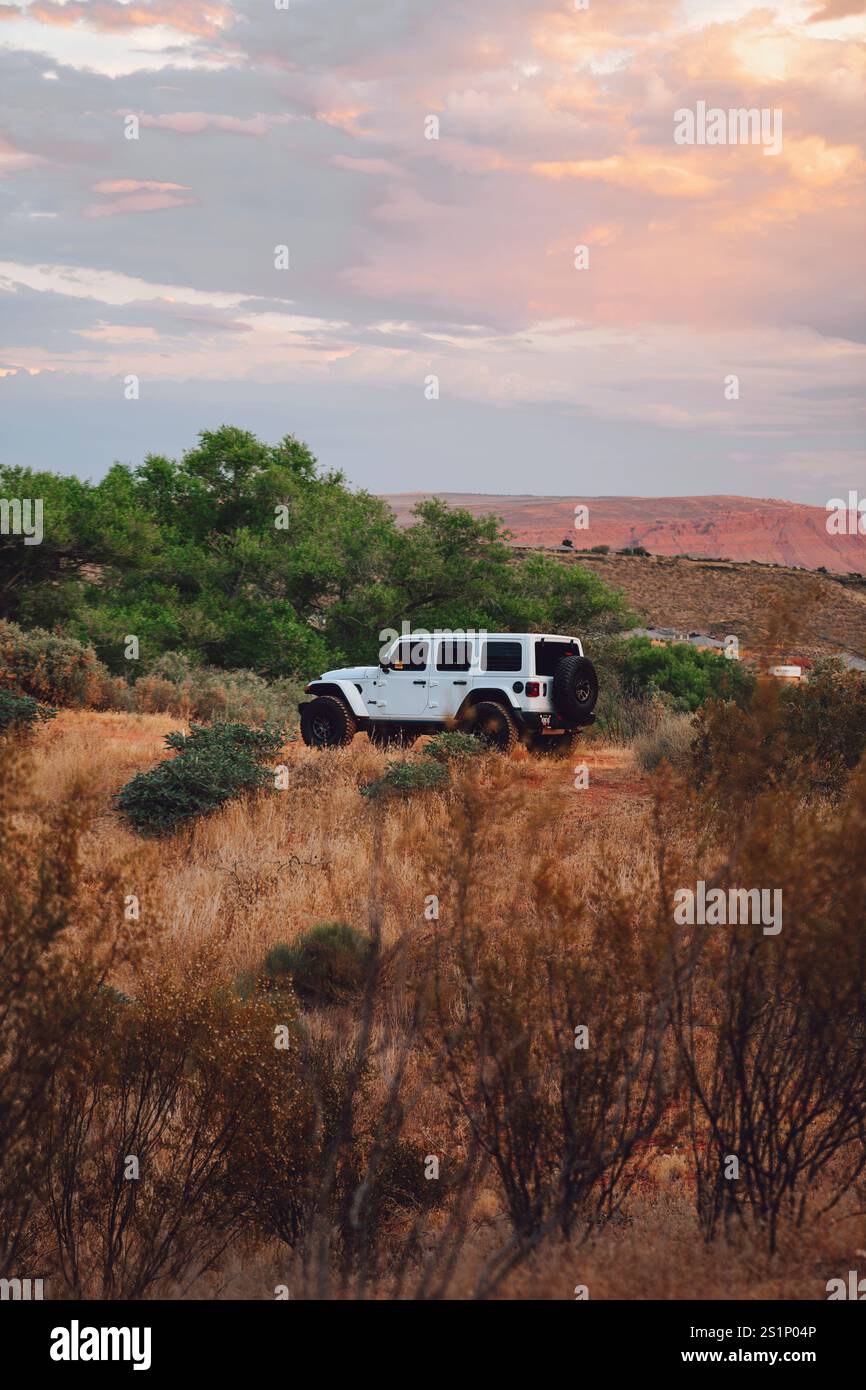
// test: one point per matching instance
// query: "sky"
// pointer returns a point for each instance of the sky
(430, 168)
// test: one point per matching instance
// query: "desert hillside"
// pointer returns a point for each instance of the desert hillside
(728, 528)
(721, 598)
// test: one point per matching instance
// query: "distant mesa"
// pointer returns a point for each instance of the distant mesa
(718, 528)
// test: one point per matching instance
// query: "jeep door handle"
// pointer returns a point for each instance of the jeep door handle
(461, 682)
(419, 682)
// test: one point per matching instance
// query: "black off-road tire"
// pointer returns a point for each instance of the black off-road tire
(575, 689)
(327, 722)
(493, 724)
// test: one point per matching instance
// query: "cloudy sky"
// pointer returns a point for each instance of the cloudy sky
(410, 257)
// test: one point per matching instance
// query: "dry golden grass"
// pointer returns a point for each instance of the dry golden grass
(107, 748)
(261, 871)
(656, 1253)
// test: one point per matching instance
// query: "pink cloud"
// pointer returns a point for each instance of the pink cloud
(573, 132)
(837, 9)
(12, 159)
(367, 166)
(206, 20)
(136, 186)
(118, 333)
(656, 170)
(343, 118)
(194, 122)
(556, 130)
(137, 196)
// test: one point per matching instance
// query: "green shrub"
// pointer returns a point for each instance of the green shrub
(259, 743)
(688, 675)
(327, 964)
(20, 712)
(115, 998)
(213, 765)
(624, 711)
(403, 778)
(398, 1182)
(278, 964)
(449, 747)
(158, 801)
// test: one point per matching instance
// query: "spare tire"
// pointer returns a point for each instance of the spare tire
(575, 689)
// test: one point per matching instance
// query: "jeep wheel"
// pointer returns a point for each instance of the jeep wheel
(493, 724)
(575, 689)
(327, 722)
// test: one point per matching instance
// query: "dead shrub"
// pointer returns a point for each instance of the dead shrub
(670, 742)
(153, 1129)
(58, 944)
(770, 1025)
(551, 1034)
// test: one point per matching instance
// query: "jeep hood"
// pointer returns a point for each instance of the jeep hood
(348, 673)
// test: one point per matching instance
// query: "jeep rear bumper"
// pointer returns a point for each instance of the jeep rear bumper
(554, 724)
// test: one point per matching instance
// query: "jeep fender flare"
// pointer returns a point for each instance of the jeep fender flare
(495, 693)
(347, 689)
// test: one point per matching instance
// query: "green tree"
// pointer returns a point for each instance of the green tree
(689, 675)
(247, 554)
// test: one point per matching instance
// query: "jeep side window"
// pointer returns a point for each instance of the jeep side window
(454, 654)
(502, 656)
(410, 655)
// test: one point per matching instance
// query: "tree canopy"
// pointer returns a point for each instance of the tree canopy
(247, 554)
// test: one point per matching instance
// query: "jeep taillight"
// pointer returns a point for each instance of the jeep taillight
(533, 688)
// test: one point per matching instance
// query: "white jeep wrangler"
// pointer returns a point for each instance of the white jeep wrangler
(534, 687)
